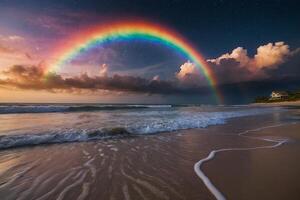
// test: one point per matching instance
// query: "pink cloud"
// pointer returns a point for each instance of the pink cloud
(238, 66)
(269, 55)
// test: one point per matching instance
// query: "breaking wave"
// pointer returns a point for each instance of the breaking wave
(125, 124)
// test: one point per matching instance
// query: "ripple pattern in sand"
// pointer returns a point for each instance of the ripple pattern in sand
(115, 169)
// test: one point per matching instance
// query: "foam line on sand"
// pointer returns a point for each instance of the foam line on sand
(210, 186)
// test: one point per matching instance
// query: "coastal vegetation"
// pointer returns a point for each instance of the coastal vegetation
(291, 96)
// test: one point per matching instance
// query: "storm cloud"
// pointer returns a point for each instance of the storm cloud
(34, 78)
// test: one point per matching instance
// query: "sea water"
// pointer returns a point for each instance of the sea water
(34, 124)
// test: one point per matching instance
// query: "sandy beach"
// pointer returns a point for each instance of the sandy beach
(262, 173)
(283, 103)
(161, 166)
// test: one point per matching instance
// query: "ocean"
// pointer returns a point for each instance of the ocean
(37, 124)
(102, 151)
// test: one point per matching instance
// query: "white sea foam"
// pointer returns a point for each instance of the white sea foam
(208, 183)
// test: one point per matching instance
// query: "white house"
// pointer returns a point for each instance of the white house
(279, 95)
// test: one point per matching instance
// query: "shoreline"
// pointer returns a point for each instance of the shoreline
(253, 174)
(151, 167)
(208, 183)
(283, 103)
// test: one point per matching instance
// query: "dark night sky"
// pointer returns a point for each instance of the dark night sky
(216, 26)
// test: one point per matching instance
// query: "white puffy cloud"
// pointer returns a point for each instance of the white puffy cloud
(270, 60)
(186, 70)
(239, 54)
(267, 56)
(271, 55)
(189, 75)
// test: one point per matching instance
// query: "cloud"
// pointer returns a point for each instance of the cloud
(6, 50)
(271, 62)
(34, 78)
(12, 55)
(238, 66)
(271, 55)
(103, 70)
(15, 38)
(156, 78)
(239, 54)
(15, 49)
(289, 68)
(230, 71)
(186, 70)
(189, 75)
(8, 43)
(11, 38)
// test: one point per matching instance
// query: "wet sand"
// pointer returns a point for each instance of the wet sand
(283, 103)
(261, 173)
(160, 166)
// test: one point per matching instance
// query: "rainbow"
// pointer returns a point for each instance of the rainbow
(127, 31)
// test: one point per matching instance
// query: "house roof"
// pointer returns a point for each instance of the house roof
(281, 92)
